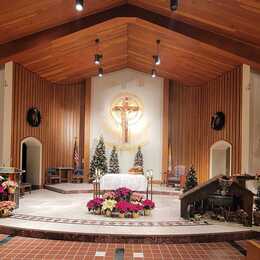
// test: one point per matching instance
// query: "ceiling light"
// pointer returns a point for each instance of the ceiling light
(157, 60)
(98, 58)
(79, 5)
(100, 72)
(153, 73)
(174, 5)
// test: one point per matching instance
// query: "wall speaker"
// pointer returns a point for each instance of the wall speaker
(174, 5)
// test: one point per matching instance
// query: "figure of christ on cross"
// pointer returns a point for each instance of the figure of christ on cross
(125, 109)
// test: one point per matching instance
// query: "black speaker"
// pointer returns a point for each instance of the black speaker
(174, 4)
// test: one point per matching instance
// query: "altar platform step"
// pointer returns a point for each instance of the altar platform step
(74, 188)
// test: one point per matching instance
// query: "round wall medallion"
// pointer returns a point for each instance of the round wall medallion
(34, 117)
(218, 121)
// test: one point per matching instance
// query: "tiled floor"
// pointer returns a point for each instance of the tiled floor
(29, 248)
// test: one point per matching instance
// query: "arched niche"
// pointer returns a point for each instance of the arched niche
(220, 158)
(31, 161)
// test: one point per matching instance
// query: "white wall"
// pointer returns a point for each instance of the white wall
(255, 122)
(6, 93)
(147, 132)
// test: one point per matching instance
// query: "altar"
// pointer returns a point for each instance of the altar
(115, 181)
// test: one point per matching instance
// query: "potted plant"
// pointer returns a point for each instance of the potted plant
(138, 197)
(6, 208)
(122, 207)
(148, 206)
(11, 186)
(95, 205)
(123, 193)
(135, 209)
(108, 207)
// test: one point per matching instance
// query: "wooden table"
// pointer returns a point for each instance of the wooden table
(67, 170)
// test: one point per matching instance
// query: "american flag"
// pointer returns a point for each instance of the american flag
(76, 156)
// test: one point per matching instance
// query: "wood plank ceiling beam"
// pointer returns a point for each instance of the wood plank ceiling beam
(250, 53)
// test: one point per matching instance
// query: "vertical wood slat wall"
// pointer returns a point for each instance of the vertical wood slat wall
(190, 115)
(61, 109)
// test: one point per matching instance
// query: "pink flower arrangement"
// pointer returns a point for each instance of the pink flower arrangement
(137, 196)
(109, 195)
(122, 206)
(135, 207)
(148, 204)
(123, 192)
(95, 203)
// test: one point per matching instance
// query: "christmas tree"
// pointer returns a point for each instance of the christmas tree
(113, 162)
(139, 161)
(191, 179)
(99, 160)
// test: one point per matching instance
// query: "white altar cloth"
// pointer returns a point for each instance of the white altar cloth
(115, 181)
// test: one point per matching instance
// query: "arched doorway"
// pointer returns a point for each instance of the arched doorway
(220, 158)
(31, 161)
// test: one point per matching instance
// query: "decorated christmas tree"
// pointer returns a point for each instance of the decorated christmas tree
(99, 160)
(191, 179)
(113, 162)
(139, 160)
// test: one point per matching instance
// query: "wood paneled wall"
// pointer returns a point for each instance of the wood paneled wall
(63, 115)
(29, 90)
(190, 114)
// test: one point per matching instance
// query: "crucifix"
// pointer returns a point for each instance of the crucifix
(125, 109)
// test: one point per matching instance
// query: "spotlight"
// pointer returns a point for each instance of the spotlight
(174, 5)
(79, 5)
(153, 73)
(100, 72)
(98, 58)
(157, 60)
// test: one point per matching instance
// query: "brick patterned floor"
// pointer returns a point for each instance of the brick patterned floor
(30, 248)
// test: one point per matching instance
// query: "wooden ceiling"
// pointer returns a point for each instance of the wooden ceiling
(68, 53)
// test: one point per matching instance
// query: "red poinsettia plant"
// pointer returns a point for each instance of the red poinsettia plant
(148, 204)
(95, 203)
(122, 206)
(123, 192)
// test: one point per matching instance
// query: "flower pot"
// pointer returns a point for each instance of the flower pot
(11, 190)
(98, 211)
(108, 213)
(5, 213)
(135, 215)
(121, 215)
(147, 212)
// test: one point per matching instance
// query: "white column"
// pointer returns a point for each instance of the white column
(6, 93)
(245, 163)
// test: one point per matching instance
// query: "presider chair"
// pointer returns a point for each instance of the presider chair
(77, 176)
(177, 177)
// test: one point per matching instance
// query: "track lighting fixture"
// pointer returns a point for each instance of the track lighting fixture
(98, 57)
(157, 59)
(79, 5)
(174, 5)
(100, 72)
(153, 73)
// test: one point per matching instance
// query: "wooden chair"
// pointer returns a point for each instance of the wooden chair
(177, 177)
(53, 176)
(25, 186)
(77, 176)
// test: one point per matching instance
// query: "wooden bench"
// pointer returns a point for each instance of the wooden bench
(25, 187)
